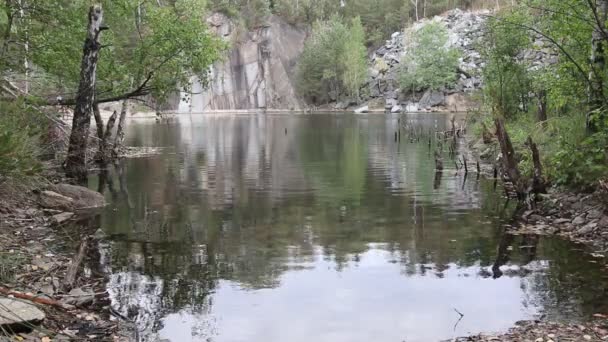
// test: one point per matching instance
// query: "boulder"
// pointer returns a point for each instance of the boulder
(55, 201)
(79, 297)
(594, 214)
(579, 220)
(362, 110)
(396, 109)
(15, 313)
(390, 103)
(83, 198)
(432, 98)
(412, 107)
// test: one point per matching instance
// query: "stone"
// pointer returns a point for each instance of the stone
(389, 103)
(432, 98)
(396, 109)
(561, 221)
(579, 220)
(63, 217)
(83, 198)
(603, 223)
(79, 297)
(52, 200)
(535, 218)
(587, 228)
(594, 214)
(14, 313)
(373, 72)
(412, 107)
(362, 110)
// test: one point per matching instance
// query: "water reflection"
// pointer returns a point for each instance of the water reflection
(322, 228)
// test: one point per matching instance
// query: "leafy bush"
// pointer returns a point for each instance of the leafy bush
(581, 165)
(430, 63)
(20, 129)
(333, 61)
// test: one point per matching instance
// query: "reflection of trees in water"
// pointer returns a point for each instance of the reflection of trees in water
(247, 203)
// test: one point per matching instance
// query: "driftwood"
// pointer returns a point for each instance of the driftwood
(70, 277)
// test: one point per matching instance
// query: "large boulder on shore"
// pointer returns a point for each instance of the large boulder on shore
(362, 110)
(67, 197)
(432, 98)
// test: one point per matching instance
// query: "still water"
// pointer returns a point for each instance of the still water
(321, 228)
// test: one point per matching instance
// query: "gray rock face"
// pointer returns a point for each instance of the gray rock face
(259, 72)
(14, 313)
(432, 98)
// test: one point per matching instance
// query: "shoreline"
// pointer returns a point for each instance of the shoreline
(31, 233)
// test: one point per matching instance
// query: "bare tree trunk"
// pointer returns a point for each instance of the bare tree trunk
(424, 9)
(76, 162)
(541, 116)
(103, 143)
(539, 185)
(509, 161)
(98, 122)
(120, 131)
(598, 61)
(415, 3)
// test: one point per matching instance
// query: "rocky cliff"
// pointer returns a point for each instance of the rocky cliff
(257, 73)
(465, 30)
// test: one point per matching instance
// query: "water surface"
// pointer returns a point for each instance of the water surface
(322, 228)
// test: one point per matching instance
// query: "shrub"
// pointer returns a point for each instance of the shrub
(20, 129)
(429, 63)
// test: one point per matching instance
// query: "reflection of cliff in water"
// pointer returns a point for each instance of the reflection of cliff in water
(246, 201)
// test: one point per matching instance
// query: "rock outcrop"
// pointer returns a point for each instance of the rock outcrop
(465, 31)
(258, 72)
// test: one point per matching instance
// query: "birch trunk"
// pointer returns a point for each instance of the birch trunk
(76, 162)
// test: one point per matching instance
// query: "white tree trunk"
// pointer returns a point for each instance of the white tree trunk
(76, 162)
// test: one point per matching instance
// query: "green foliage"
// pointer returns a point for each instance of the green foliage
(430, 63)
(355, 59)
(20, 129)
(581, 165)
(333, 60)
(506, 80)
(514, 88)
(165, 43)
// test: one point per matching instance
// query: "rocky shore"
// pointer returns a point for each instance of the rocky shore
(52, 287)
